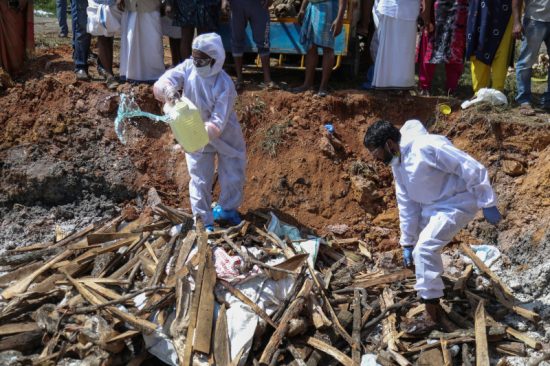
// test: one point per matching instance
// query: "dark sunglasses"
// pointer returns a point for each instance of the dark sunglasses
(201, 62)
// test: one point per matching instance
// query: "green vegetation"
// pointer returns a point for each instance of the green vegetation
(48, 5)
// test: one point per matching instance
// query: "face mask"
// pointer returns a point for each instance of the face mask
(204, 71)
(389, 158)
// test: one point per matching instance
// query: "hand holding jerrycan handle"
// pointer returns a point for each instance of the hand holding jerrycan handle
(187, 125)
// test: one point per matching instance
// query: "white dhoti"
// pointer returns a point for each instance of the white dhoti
(394, 66)
(141, 50)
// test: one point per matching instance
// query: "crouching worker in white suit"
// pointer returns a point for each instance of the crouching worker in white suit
(439, 189)
(202, 80)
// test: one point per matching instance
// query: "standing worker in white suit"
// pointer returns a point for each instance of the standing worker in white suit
(202, 80)
(439, 189)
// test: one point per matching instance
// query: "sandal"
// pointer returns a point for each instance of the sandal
(269, 86)
(322, 93)
(526, 109)
(300, 89)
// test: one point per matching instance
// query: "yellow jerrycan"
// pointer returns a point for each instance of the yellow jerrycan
(187, 125)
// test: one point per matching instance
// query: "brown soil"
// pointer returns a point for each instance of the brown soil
(294, 166)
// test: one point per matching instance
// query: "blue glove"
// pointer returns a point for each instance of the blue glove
(408, 256)
(492, 215)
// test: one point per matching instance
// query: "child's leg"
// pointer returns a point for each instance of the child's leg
(425, 69)
(328, 64)
(201, 171)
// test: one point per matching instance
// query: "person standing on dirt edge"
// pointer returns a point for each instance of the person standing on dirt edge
(396, 32)
(202, 80)
(104, 21)
(61, 12)
(81, 38)
(257, 13)
(535, 30)
(439, 189)
(322, 21)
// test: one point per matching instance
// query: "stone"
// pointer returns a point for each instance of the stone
(513, 168)
(387, 218)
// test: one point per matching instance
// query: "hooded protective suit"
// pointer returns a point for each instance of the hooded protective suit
(439, 189)
(214, 95)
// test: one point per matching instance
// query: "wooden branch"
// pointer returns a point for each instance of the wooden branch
(356, 333)
(222, 355)
(21, 286)
(245, 299)
(13, 259)
(205, 315)
(524, 338)
(466, 249)
(482, 351)
(121, 300)
(329, 350)
(291, 312)
(460, 284)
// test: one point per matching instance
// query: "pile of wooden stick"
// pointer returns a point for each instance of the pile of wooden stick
(73, 301)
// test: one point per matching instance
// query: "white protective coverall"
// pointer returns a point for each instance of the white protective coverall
(214, 95)
(439, 189)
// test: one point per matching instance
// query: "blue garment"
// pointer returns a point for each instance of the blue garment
(61, 11)
(201, 14)
(105, 2)
(487, 21)
(318, 19)
(253, 11)
(535, 33)
(81, 38)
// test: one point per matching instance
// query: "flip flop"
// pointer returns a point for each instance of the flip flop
(527, 110)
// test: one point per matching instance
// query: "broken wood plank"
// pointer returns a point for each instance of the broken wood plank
(329, 350)
(511, 348)
(25, 341)
(141, 324)
(245, 299)
(205, 315)
(21, 286)
(447, 356)
(482, 351)
(389, 330)
(383, 279)
(21, 272)
(14, 328)
(450, 342)
(13, 259)
(187, 351)
(526, 313)
(460, 284)
(99, 238)
(534, 344)
(466, 249)
(222, 355)
(356, 330)
(291, 312)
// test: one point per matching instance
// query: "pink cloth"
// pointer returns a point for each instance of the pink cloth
(426, 70)
(229, 267)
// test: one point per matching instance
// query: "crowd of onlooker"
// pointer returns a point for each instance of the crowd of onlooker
(402, 33)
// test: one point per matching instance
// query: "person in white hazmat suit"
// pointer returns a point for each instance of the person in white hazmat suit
(202, 80)
(439, 189)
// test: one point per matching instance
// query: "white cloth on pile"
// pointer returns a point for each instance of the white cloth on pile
(439, 189)
(141, 50)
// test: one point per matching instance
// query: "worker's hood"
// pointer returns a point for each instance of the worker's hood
(211, 44)
(411, 130)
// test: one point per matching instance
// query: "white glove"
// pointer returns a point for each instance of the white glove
(212, 130)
